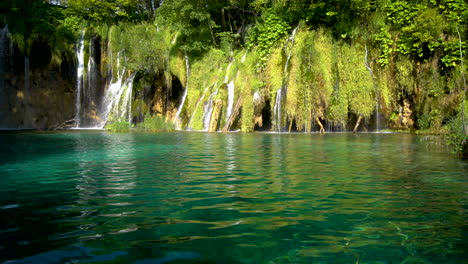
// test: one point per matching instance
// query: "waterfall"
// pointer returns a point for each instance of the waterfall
(179, 110)
(377, 121)
(277, 109)
(189, 127)
(117, 103)
(226, 77)
(230, 99)
(230, 87)
(243, 57)
(283, 90)
(79, 78)
(209, 110)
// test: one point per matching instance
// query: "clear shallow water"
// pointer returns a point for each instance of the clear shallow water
(97, 197)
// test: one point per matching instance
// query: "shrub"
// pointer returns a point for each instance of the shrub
(119, 127)
(155, 124)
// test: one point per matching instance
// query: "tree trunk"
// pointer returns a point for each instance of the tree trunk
(233, 116)
(290, 126)
(357, 124)
(322, 129)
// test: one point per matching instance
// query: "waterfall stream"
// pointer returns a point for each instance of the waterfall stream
(79, 78)
(230, 88)
(277, 109)
(209, 110)
(181, 106)
(230, 105)
(117, 103)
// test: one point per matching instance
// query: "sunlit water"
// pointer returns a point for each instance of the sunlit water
(93, 196)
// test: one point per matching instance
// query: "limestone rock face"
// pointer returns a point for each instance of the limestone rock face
(404, 119)
(44, 103)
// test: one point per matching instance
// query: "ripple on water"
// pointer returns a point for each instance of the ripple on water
(203, 198)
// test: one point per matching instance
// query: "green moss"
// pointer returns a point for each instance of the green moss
(355, 80)
(139, 107)
(205, 73)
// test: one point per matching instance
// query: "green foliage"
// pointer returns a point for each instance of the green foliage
(142, 46)
(455, 10)
(311, 79)
(456, 138)
(355, 80)
(427, 26)
(450, 50)
(154, 123)
(248, 83)
(38, 21)
(274, 70)
(383, 39)
(405, 81)
(193, 20)
(266, 35)
(108, 11)
(401, 13)
(206, 74)
(118, 127)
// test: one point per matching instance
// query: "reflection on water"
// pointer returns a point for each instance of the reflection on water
(229, 198)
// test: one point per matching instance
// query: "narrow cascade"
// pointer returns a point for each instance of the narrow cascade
(226, 77)
(277, 109)
(181, 106)
(243, 57)
(283, 90)
(79, 78)
(208, 111)
(117, 100)
(189, 126)
(230, 99)
(377, 121)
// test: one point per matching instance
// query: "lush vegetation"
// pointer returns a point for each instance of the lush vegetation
(337, 62)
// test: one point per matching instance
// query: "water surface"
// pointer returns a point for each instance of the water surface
(98, 197)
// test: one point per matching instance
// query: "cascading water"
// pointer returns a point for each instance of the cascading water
(230, 88)
(230, 105)
(277, 109)
(79, 78)
(283, 90)
(244, 57)
(117, 100)
(208, 110)
(181, 106)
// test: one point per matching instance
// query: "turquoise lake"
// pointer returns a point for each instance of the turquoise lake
(186, 197)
